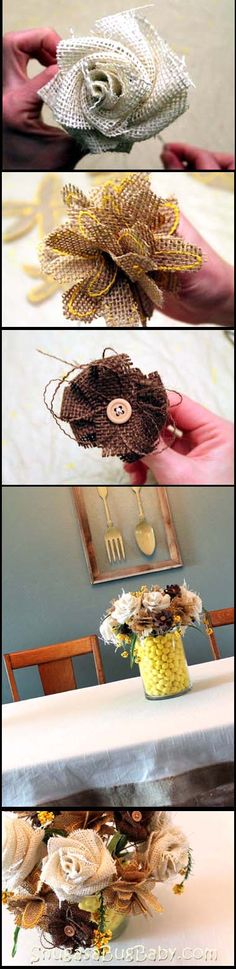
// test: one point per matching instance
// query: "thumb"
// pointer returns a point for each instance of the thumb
(35, 83)
(168, 466)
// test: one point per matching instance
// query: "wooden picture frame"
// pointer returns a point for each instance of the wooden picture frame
(117, 570)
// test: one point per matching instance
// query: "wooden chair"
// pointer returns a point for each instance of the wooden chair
(219, 617)
(54, 664)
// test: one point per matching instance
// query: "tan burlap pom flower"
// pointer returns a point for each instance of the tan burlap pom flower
(117, 253)
(132, 893)
(113, 405)
(120, 84)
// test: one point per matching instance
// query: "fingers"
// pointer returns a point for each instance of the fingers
(35, 83)
(197, 158)
(171, 161)
(137, 472)
(167, 467)
(225, 161)
(190, 416)
(20, 46)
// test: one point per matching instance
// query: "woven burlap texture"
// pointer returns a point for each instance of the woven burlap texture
(118, 252)
(22, 849)
(86, 398)
(119, 85)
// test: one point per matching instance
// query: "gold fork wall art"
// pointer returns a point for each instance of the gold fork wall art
(124, 534)
(41, 213)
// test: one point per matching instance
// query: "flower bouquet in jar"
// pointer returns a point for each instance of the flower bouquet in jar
(149, 625)
(78, 875)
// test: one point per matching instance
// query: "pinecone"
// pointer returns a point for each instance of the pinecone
(71, 928)
(172, 590)
(135, 824)
(162, 622)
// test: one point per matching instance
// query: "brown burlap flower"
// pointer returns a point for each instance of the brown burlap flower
(158, 622)
(132, 894)
(113, 405)
(172, 590)
(135, 824)
(118, 252)
(71, 928)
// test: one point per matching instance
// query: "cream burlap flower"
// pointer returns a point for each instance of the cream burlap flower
(22, 849)
(78, 865)
(118, 252)
(167, 852)
(120, 84)
(107, 630)
(156, 600)
(124, 607)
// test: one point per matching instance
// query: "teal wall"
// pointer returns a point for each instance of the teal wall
(47, 595)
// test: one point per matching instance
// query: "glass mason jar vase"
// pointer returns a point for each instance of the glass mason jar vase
(115, 922)
(163, 666)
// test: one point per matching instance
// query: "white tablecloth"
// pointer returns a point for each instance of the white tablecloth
(195, 929)
(106, 736)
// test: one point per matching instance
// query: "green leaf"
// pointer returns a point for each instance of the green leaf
(132, 645)
(121, 844)
(15, 937)
(117, 843)
(49, 832)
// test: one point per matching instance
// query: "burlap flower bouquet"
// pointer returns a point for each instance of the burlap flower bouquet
(148, 626)
(119, 85)
(118, 253)
(77, 876)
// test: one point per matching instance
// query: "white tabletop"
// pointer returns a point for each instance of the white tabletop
(195, 929)
(109, 735)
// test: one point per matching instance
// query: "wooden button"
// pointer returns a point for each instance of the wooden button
(136, 815)
(119, 411)
(69, 930)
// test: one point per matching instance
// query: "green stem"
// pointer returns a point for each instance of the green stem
(132, 645)
(15, 937)
(189, 867)
(101, 924)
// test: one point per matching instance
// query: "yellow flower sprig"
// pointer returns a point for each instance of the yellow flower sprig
(178, 889)
(101, 941)
(45, 817)
(207, 623)
(6, 895)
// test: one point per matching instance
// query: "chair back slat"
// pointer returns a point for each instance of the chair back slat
(57, 677)
(218, 617)
(54, 663)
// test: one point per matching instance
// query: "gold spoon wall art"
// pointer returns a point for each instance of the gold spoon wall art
(144, 532)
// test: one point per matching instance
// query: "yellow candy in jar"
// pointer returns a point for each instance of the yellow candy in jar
(163, 665)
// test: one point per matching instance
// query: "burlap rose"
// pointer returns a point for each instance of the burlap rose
(22, 849)
(124, 607)
(167, 853)
(156, 600)
(78, 865)
(107, 630)
(120, 84)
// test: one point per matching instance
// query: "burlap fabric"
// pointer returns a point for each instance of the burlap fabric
(22, 848)
(87, 396)
(120, 84)
(118, 252)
